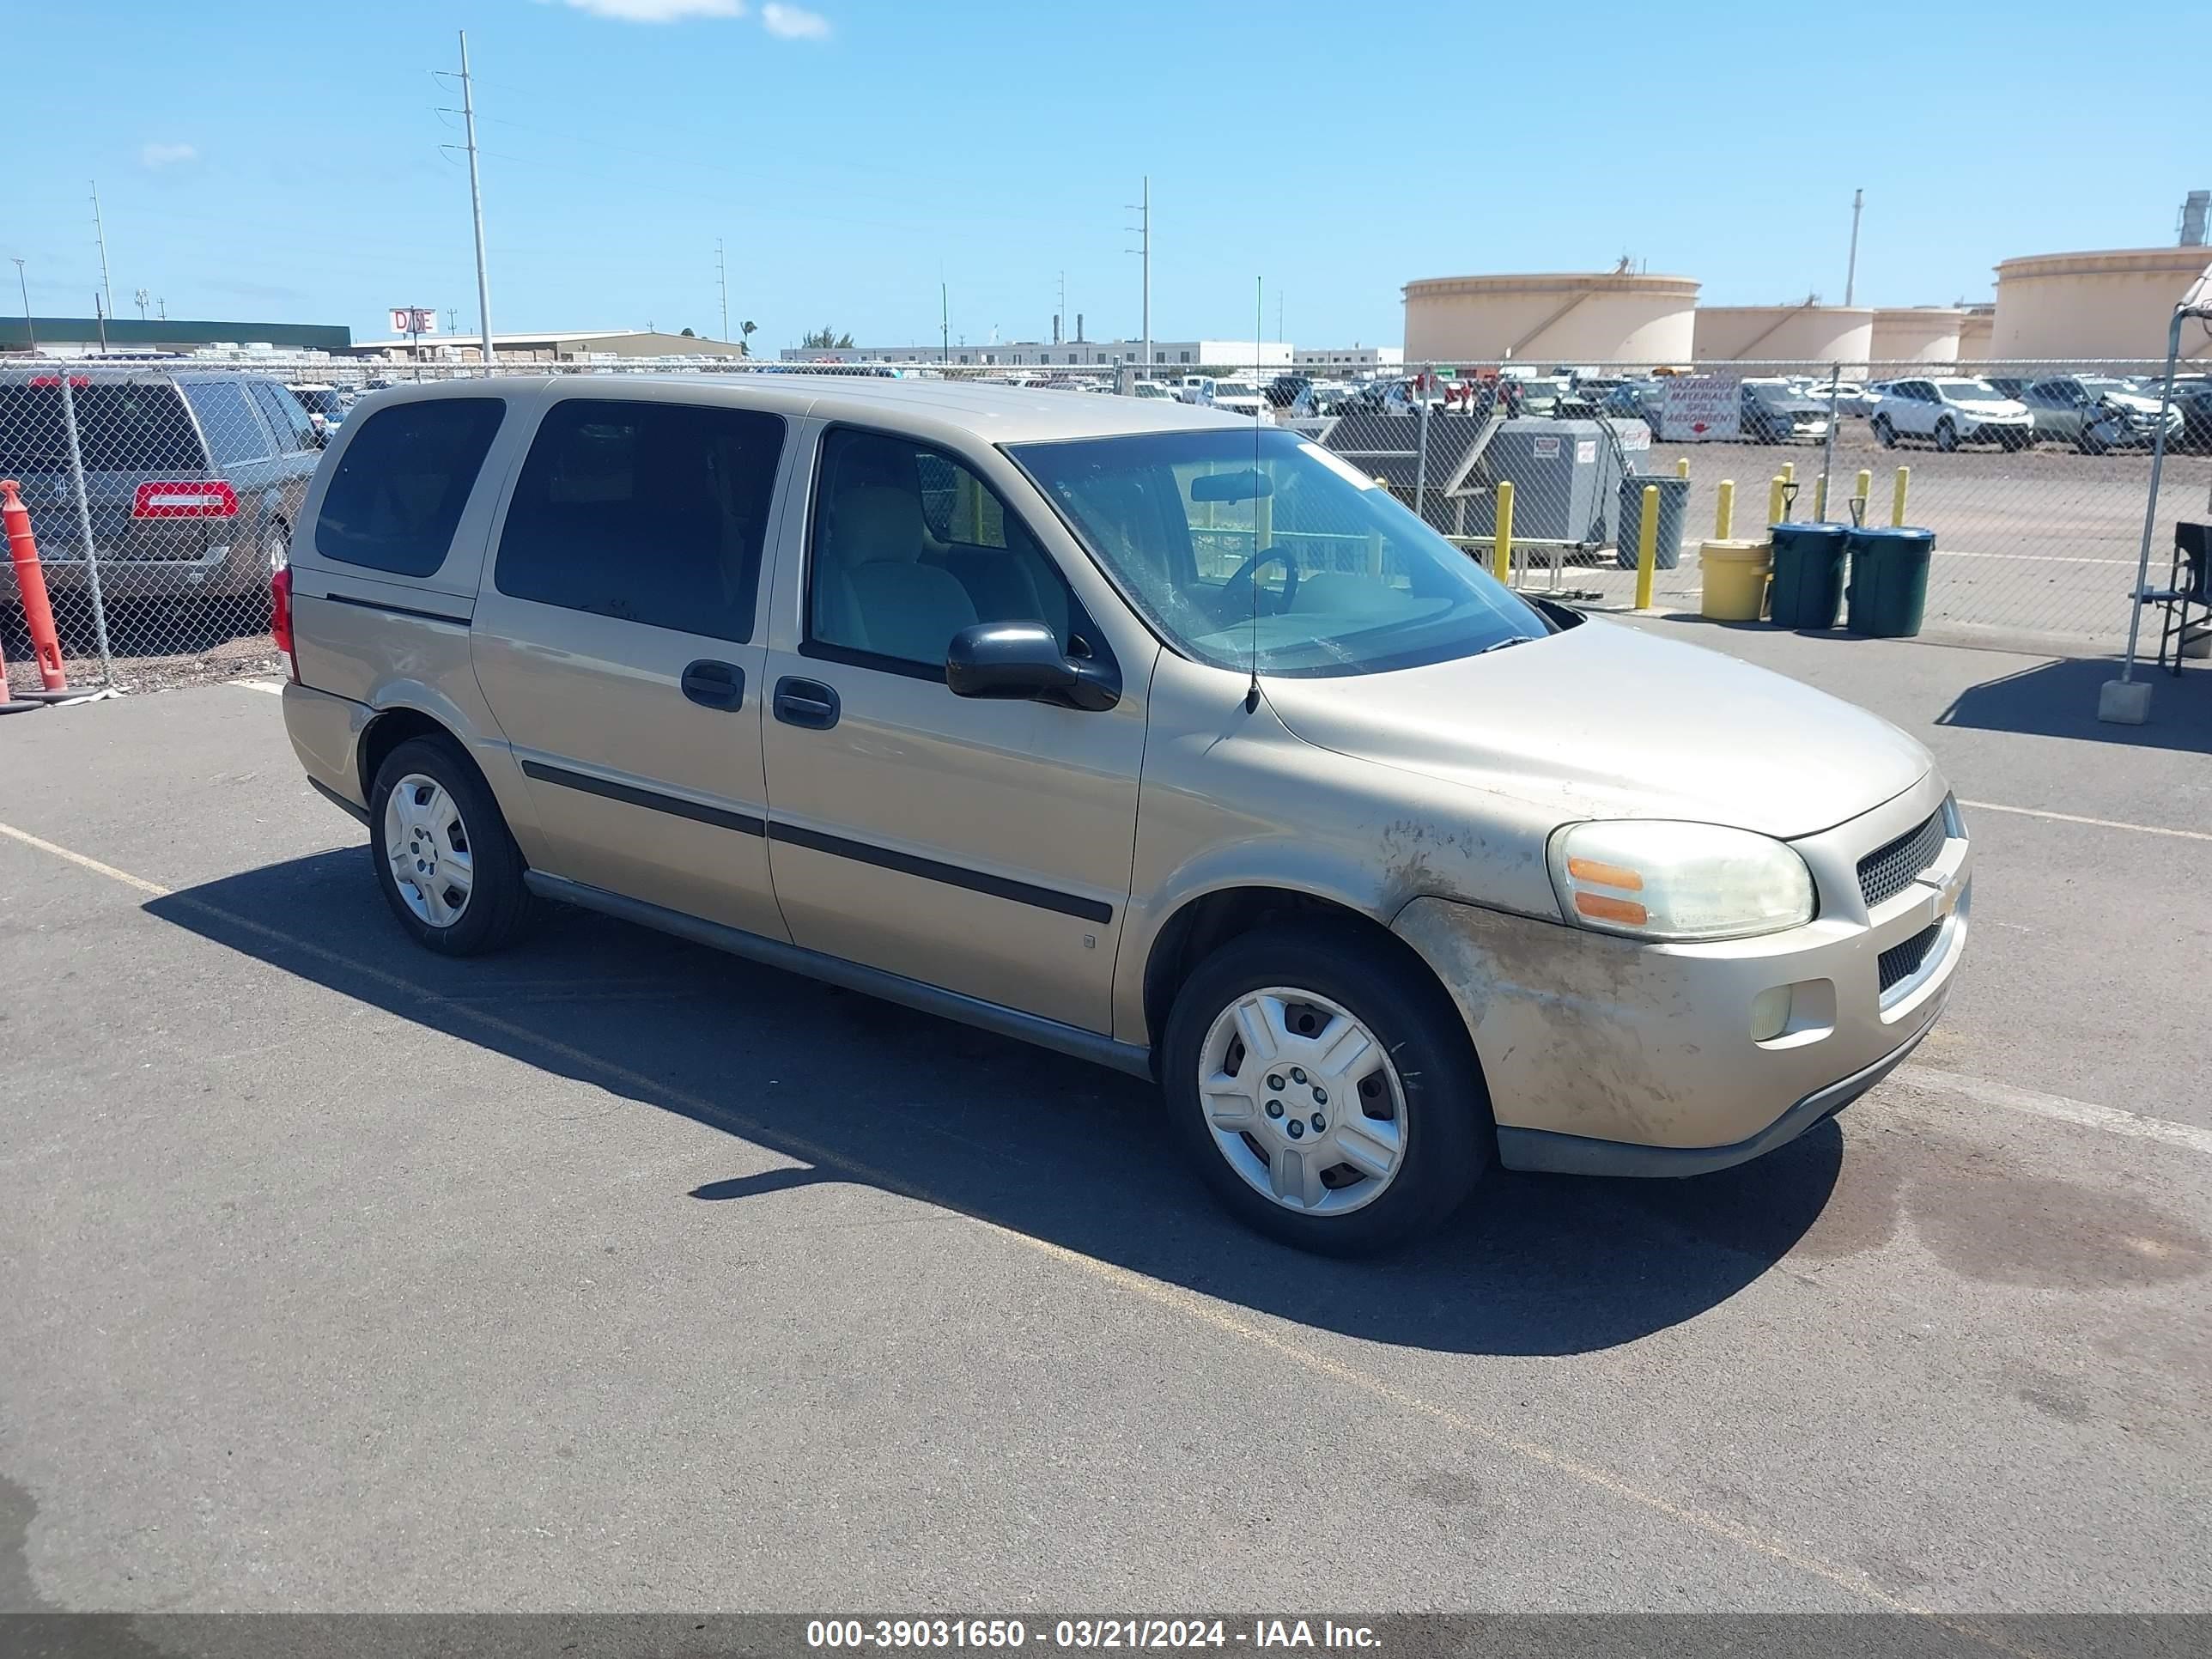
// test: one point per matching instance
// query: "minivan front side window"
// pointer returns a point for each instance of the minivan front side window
(1257, 549)
(653, 513)
(397, 496)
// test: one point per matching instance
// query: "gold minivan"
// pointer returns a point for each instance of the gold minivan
(1163, 738)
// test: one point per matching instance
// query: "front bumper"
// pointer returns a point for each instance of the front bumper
(1608, 1055)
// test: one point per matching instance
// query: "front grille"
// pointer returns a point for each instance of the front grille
(1889, 870)
(1902, 961)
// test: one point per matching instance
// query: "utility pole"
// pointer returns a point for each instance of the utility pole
(1851, 270)
(476, 201)
(99, 234)
(722, 279)
(452, 320)
(101, 313)
(1144, 250)
(944, 320)
(30, 329)
(162, 309)
(141, 298)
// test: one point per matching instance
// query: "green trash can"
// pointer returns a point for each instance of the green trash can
(1673, 507)
(1888, 586)
(1809, 574)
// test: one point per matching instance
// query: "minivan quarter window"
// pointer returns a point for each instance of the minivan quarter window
(648, 512)
(402, 482)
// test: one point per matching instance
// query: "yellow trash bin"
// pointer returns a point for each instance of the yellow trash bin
(1734, 580)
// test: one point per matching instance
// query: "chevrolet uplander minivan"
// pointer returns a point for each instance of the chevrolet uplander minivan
(1127, 728)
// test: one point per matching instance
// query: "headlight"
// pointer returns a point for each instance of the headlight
(1650, 878)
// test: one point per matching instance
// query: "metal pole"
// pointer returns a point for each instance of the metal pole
(2157, 464)
(100, 233)
(722, 277)
(1851, 270)
(945, 323)
(1421, 461)
(1148, 275)
(30, 328)
(1828, 455)
(100, 315)
(476, 201)
(84, 530)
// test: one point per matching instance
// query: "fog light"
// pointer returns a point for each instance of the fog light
(1770, 1013)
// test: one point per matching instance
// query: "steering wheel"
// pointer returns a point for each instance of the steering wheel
(1247, 573)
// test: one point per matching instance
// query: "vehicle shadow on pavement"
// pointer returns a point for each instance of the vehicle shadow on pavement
(2059, 700)
(1045, 1146)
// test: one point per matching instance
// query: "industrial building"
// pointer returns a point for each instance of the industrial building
(1610, 317)
(1049, 354)
(76, 335)
(1349, 360)
(582, 345)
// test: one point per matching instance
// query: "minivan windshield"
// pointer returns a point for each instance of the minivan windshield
(1247, 546)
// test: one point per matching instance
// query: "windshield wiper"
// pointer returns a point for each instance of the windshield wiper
(1516, 639)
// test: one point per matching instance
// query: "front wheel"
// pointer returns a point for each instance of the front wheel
(449, 869)
(1326, 1089)
(1946, 436)
(2089, 443)
(1885, 433)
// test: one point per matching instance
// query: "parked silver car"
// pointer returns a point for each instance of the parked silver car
(2099, 412)
(1148, 734)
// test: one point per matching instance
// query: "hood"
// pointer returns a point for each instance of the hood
(1992, 405)
(1605, 720)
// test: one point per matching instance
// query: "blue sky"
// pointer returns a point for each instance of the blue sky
(283, 161)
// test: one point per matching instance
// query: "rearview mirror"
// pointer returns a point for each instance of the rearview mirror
(1249, 485)
(1023, 661)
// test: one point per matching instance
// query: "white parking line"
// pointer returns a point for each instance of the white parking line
(2098, 823)
(1988, 1092)
(274, 688)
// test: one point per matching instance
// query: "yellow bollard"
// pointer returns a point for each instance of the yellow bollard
(1681, 466)
(1774, 498)
(1789, 473)
(1647, 548)
(1724, 511)
(1897, 501)
(1501, 547)
(1864, 493)
(1820, 499)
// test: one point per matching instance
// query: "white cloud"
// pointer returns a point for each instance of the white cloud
(167, 155)
(794, 22)
(659, 11)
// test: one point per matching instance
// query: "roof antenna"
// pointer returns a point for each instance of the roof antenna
(1259, 311)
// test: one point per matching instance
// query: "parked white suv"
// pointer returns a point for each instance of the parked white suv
(1197, 389)
(1950, 413)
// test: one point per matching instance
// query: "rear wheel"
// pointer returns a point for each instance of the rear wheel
(1326, 1089)
(449, 869)
(1884, 433)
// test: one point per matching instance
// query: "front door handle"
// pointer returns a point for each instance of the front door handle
(714, 684)
(805, 702)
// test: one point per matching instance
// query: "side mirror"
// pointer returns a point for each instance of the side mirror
(1023, 661)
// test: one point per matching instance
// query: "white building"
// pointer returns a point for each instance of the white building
(1350, 360)
(1178, 355)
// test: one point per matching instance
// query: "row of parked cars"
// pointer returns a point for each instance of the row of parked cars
(2095, 413)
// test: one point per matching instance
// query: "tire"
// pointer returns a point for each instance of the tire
(493, 904)
(1418, 1075)
(2088, 443)
(1884, 433)
(1946, 436)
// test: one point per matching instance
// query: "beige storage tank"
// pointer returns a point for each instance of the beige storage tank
(1806, 337)
(2114, 304)
(1974, 330)
(1613, 317)
(1916, 334)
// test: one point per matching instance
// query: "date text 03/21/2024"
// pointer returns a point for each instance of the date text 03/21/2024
(1013, 1635)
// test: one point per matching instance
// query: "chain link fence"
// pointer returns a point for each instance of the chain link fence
(161, 494)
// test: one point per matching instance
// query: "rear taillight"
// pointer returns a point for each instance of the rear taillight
(279, 616)
(202, 498)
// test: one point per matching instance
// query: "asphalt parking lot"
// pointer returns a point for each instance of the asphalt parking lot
(613, 1274)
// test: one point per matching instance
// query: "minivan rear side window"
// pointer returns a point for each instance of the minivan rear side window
(653, 513)
(233, 432)
(402, 482)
